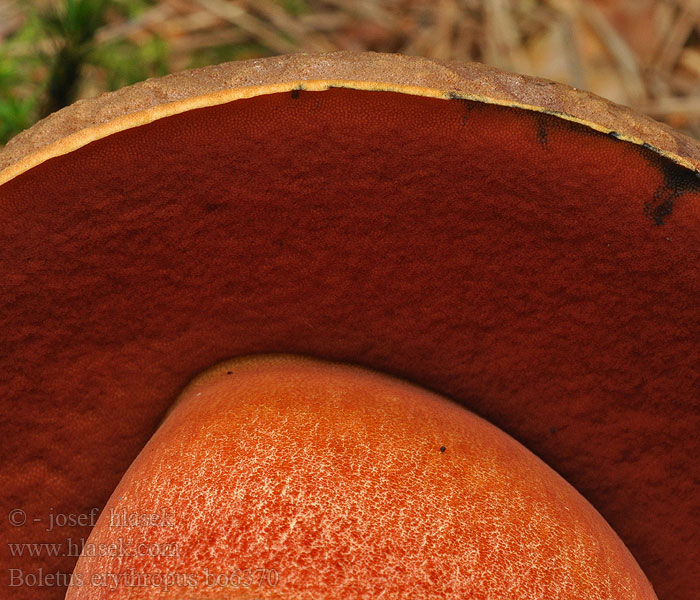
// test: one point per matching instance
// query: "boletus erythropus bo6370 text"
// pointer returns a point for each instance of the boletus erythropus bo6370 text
(527, 250)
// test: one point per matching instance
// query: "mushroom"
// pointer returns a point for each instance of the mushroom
(521, 247)
(283, 477)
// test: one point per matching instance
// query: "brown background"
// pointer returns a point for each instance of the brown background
(642, 53)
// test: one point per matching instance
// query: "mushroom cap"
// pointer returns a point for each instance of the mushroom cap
(524, 248)
(94, 118)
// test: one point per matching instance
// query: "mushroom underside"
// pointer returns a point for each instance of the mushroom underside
(540, 273)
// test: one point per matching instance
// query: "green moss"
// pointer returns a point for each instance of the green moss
(124, 62)
(18, 98)
(295, 8)
(42, 63)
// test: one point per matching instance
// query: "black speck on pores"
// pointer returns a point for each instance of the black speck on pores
(442, 448)
(229, 372)
(542, 122)
(552, 430)
(467, 104)
(295, 93)
(677, 181)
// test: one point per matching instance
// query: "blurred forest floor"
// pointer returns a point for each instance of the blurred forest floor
(642, 53)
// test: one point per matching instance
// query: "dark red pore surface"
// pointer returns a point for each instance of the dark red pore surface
(541, 274)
